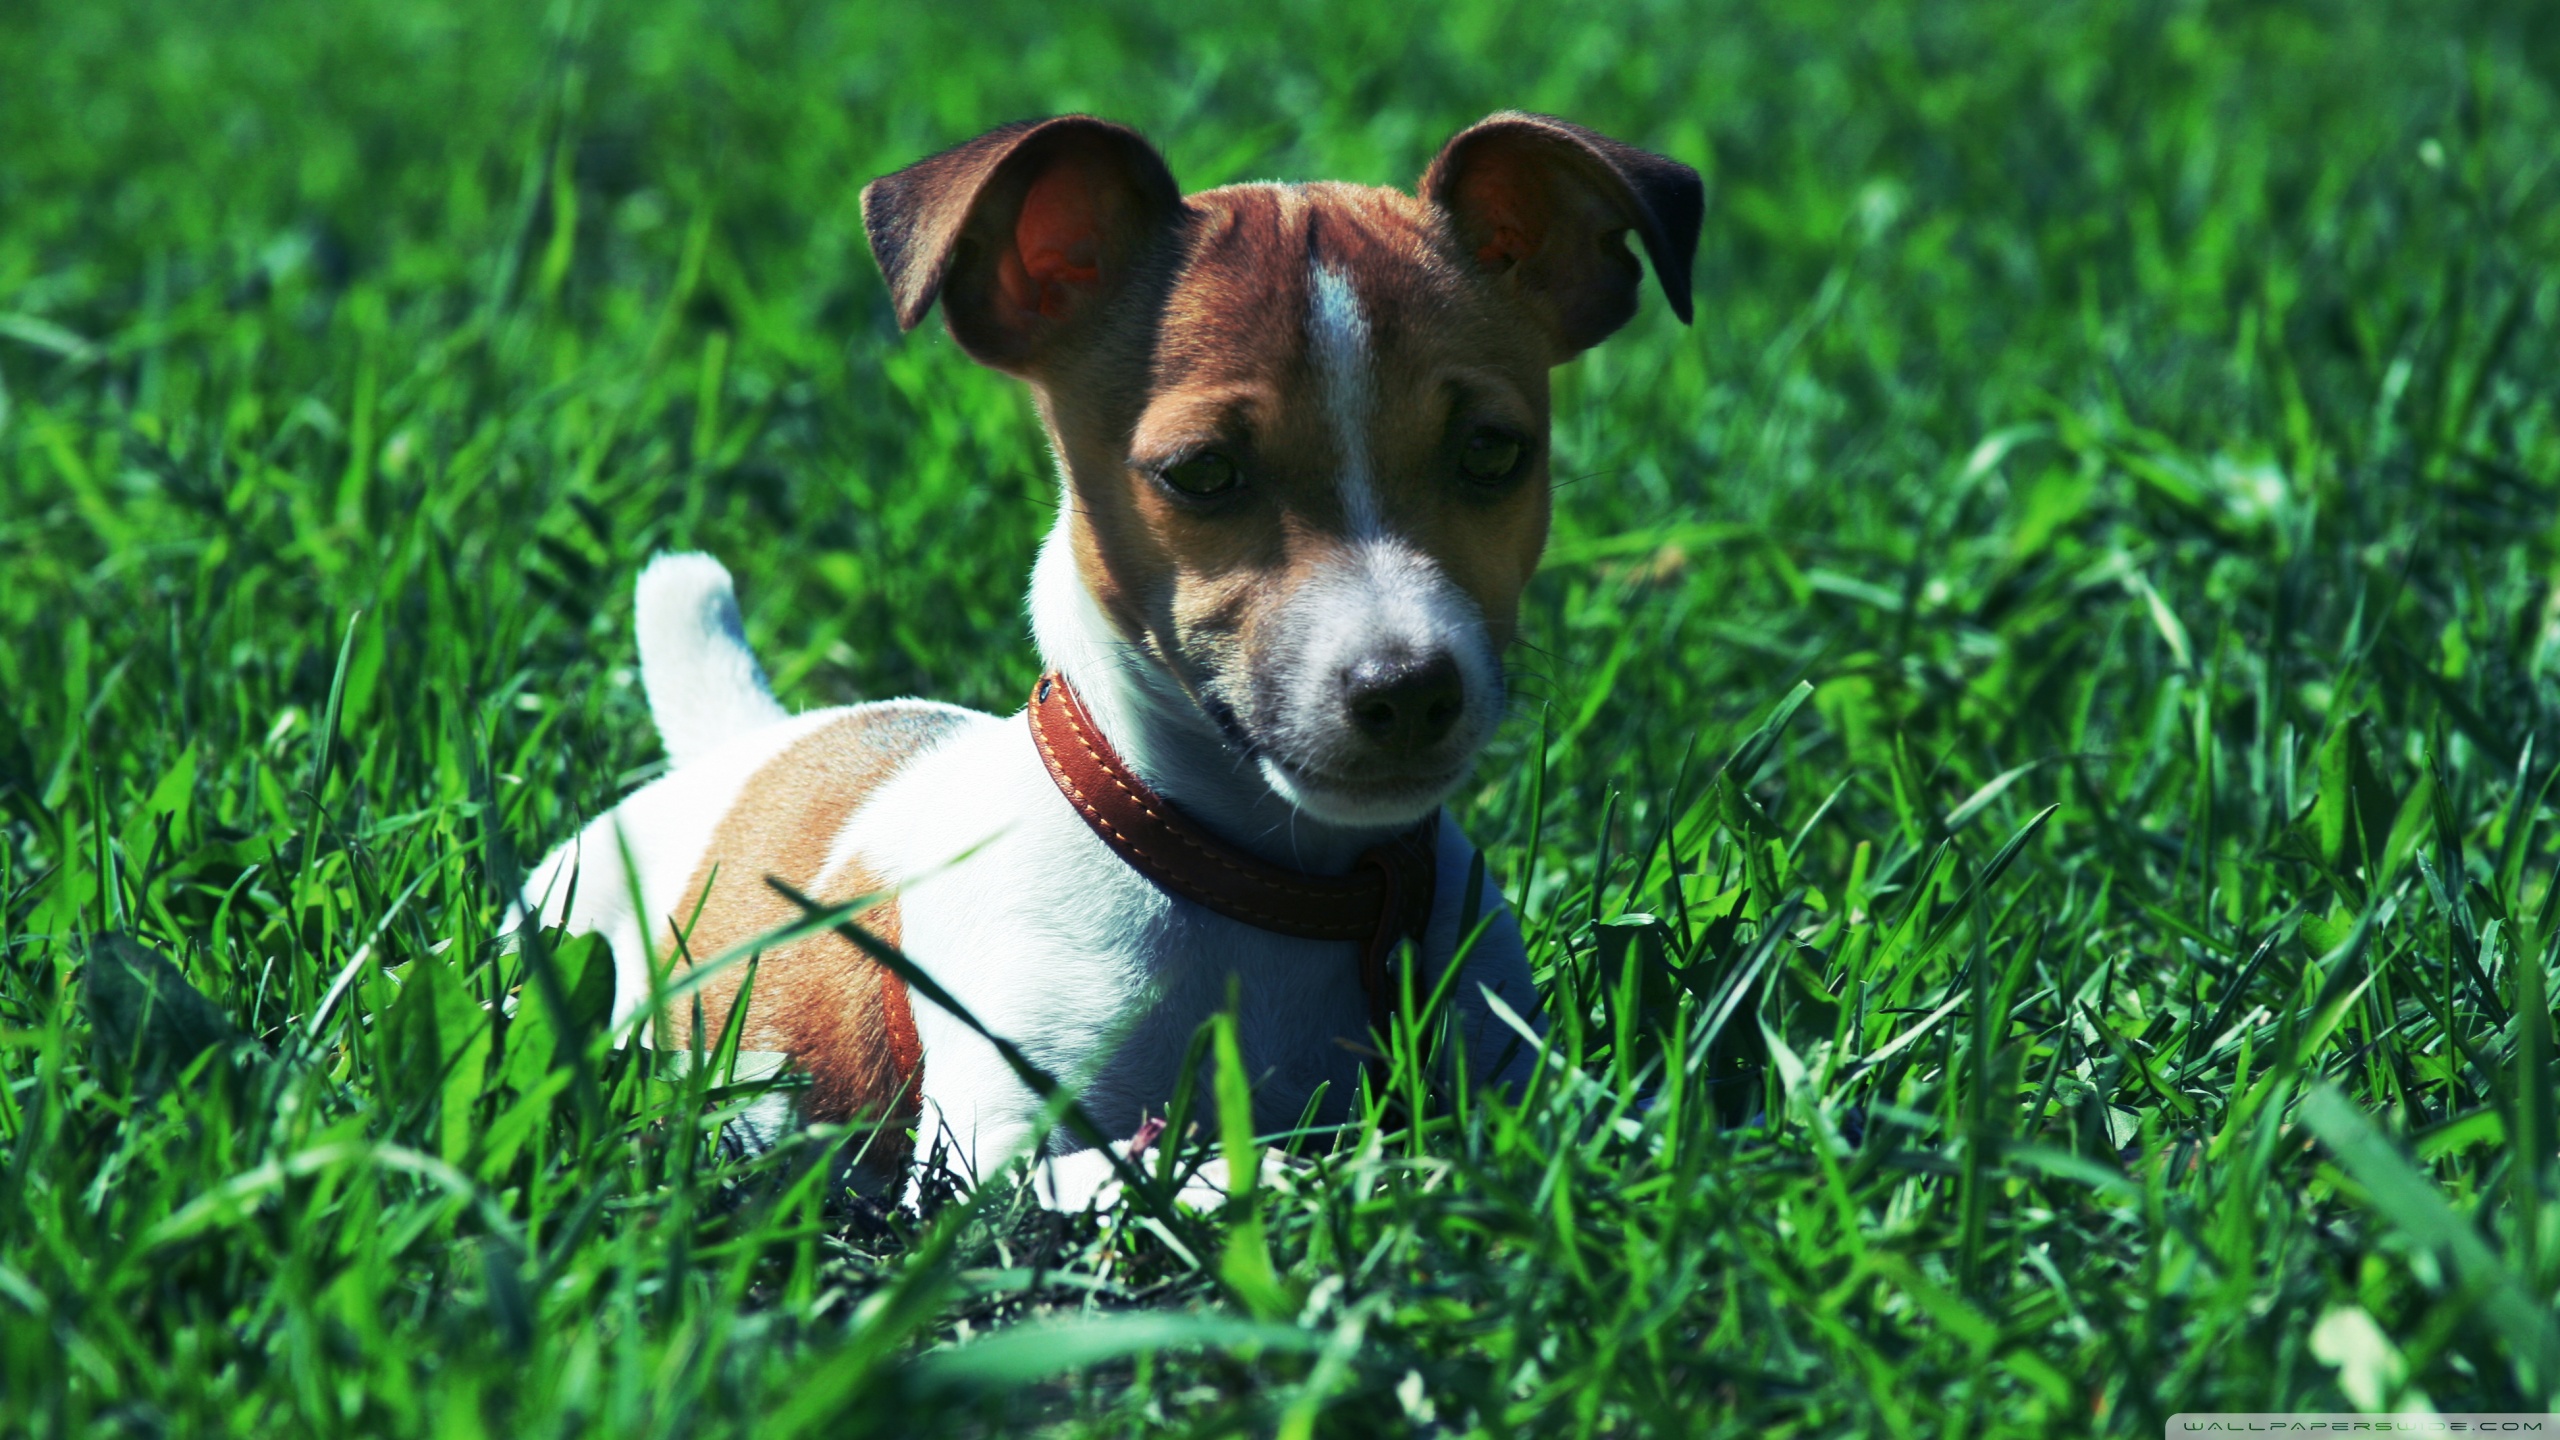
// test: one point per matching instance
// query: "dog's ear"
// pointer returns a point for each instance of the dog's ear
(1542, 207)
(1022, 233)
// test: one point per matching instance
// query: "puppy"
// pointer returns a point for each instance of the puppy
(1302, 437)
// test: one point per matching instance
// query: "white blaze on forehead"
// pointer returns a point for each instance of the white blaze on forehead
(1338, 343)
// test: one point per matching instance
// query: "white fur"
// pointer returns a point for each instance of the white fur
(1012, 903)
(1099, 976)
(1383, 597)
(704, 685)
(1338, 342)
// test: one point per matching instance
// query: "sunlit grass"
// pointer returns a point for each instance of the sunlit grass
(2119, 986)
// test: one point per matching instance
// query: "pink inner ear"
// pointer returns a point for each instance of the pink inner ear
(1057, 241)
(1512, 210)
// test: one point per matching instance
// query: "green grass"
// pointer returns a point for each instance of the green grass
(2121, 988)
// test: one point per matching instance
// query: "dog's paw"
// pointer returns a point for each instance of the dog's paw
(1079, 1182)
(1211, 1186)
(1088, 1180)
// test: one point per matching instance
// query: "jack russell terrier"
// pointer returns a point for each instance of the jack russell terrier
(1302, 431)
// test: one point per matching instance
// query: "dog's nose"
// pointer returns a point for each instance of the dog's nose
(1406, 703)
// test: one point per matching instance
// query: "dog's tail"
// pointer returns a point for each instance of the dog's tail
(704, 684)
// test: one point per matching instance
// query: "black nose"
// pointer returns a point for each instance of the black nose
(1407, 703)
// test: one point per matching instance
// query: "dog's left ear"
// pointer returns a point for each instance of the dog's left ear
(1542, 208)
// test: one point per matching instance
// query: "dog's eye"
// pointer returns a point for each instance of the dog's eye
(1489, 455)
(1207, 473)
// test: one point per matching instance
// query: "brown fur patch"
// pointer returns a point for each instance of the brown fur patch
(835, 1011)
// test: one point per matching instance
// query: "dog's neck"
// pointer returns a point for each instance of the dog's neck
(1174, 748)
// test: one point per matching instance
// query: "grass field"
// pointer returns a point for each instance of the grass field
(2122, 987)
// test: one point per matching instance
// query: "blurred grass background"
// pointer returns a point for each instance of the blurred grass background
(2121, 989)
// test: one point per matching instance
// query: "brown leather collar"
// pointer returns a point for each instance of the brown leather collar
(1385, 899)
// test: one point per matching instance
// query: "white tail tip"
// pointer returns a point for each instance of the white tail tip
(704, 685)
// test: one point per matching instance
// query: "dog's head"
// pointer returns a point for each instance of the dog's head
(1305, 426)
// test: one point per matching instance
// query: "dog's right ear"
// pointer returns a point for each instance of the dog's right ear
(1022, 233)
